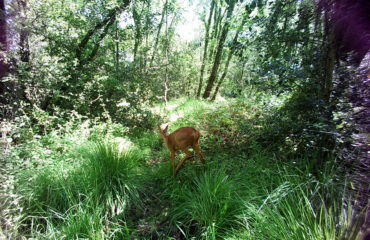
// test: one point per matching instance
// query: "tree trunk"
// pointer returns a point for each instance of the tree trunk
(216, 63)
(223, 75)
(24, 49)
(116, 48)
(4, 101)
(217, 24)
(3, 39)
(206, 40)
(146, 37)
(101, 29)
(158, 33)
(166, 50)
(106, 21)
(138, 29)
(93, 53)
(329, 62)
(248, 10)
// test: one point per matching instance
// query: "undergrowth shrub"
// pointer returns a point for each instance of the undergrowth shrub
(289, 212)
(299, 127)
(286, 201)
(77, 185)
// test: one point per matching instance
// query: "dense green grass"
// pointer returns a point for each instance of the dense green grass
(102, 181)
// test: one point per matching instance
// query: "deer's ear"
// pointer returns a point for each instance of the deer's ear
(165, 129)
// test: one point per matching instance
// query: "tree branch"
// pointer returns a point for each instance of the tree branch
(112, 13)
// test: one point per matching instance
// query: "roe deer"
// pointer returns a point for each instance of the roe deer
(181, 139)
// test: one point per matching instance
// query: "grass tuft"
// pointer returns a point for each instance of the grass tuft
(207, 203)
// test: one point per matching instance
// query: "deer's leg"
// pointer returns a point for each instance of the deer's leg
(173, 156)
(199, 153)
(181, 163)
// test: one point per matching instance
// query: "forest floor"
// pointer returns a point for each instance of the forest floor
(102, 180)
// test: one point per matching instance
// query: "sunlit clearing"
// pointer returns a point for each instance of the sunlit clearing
(82, 133)
(170, 107)
(176, 116)
(123, 144)
(220, 99)
(123, 103)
